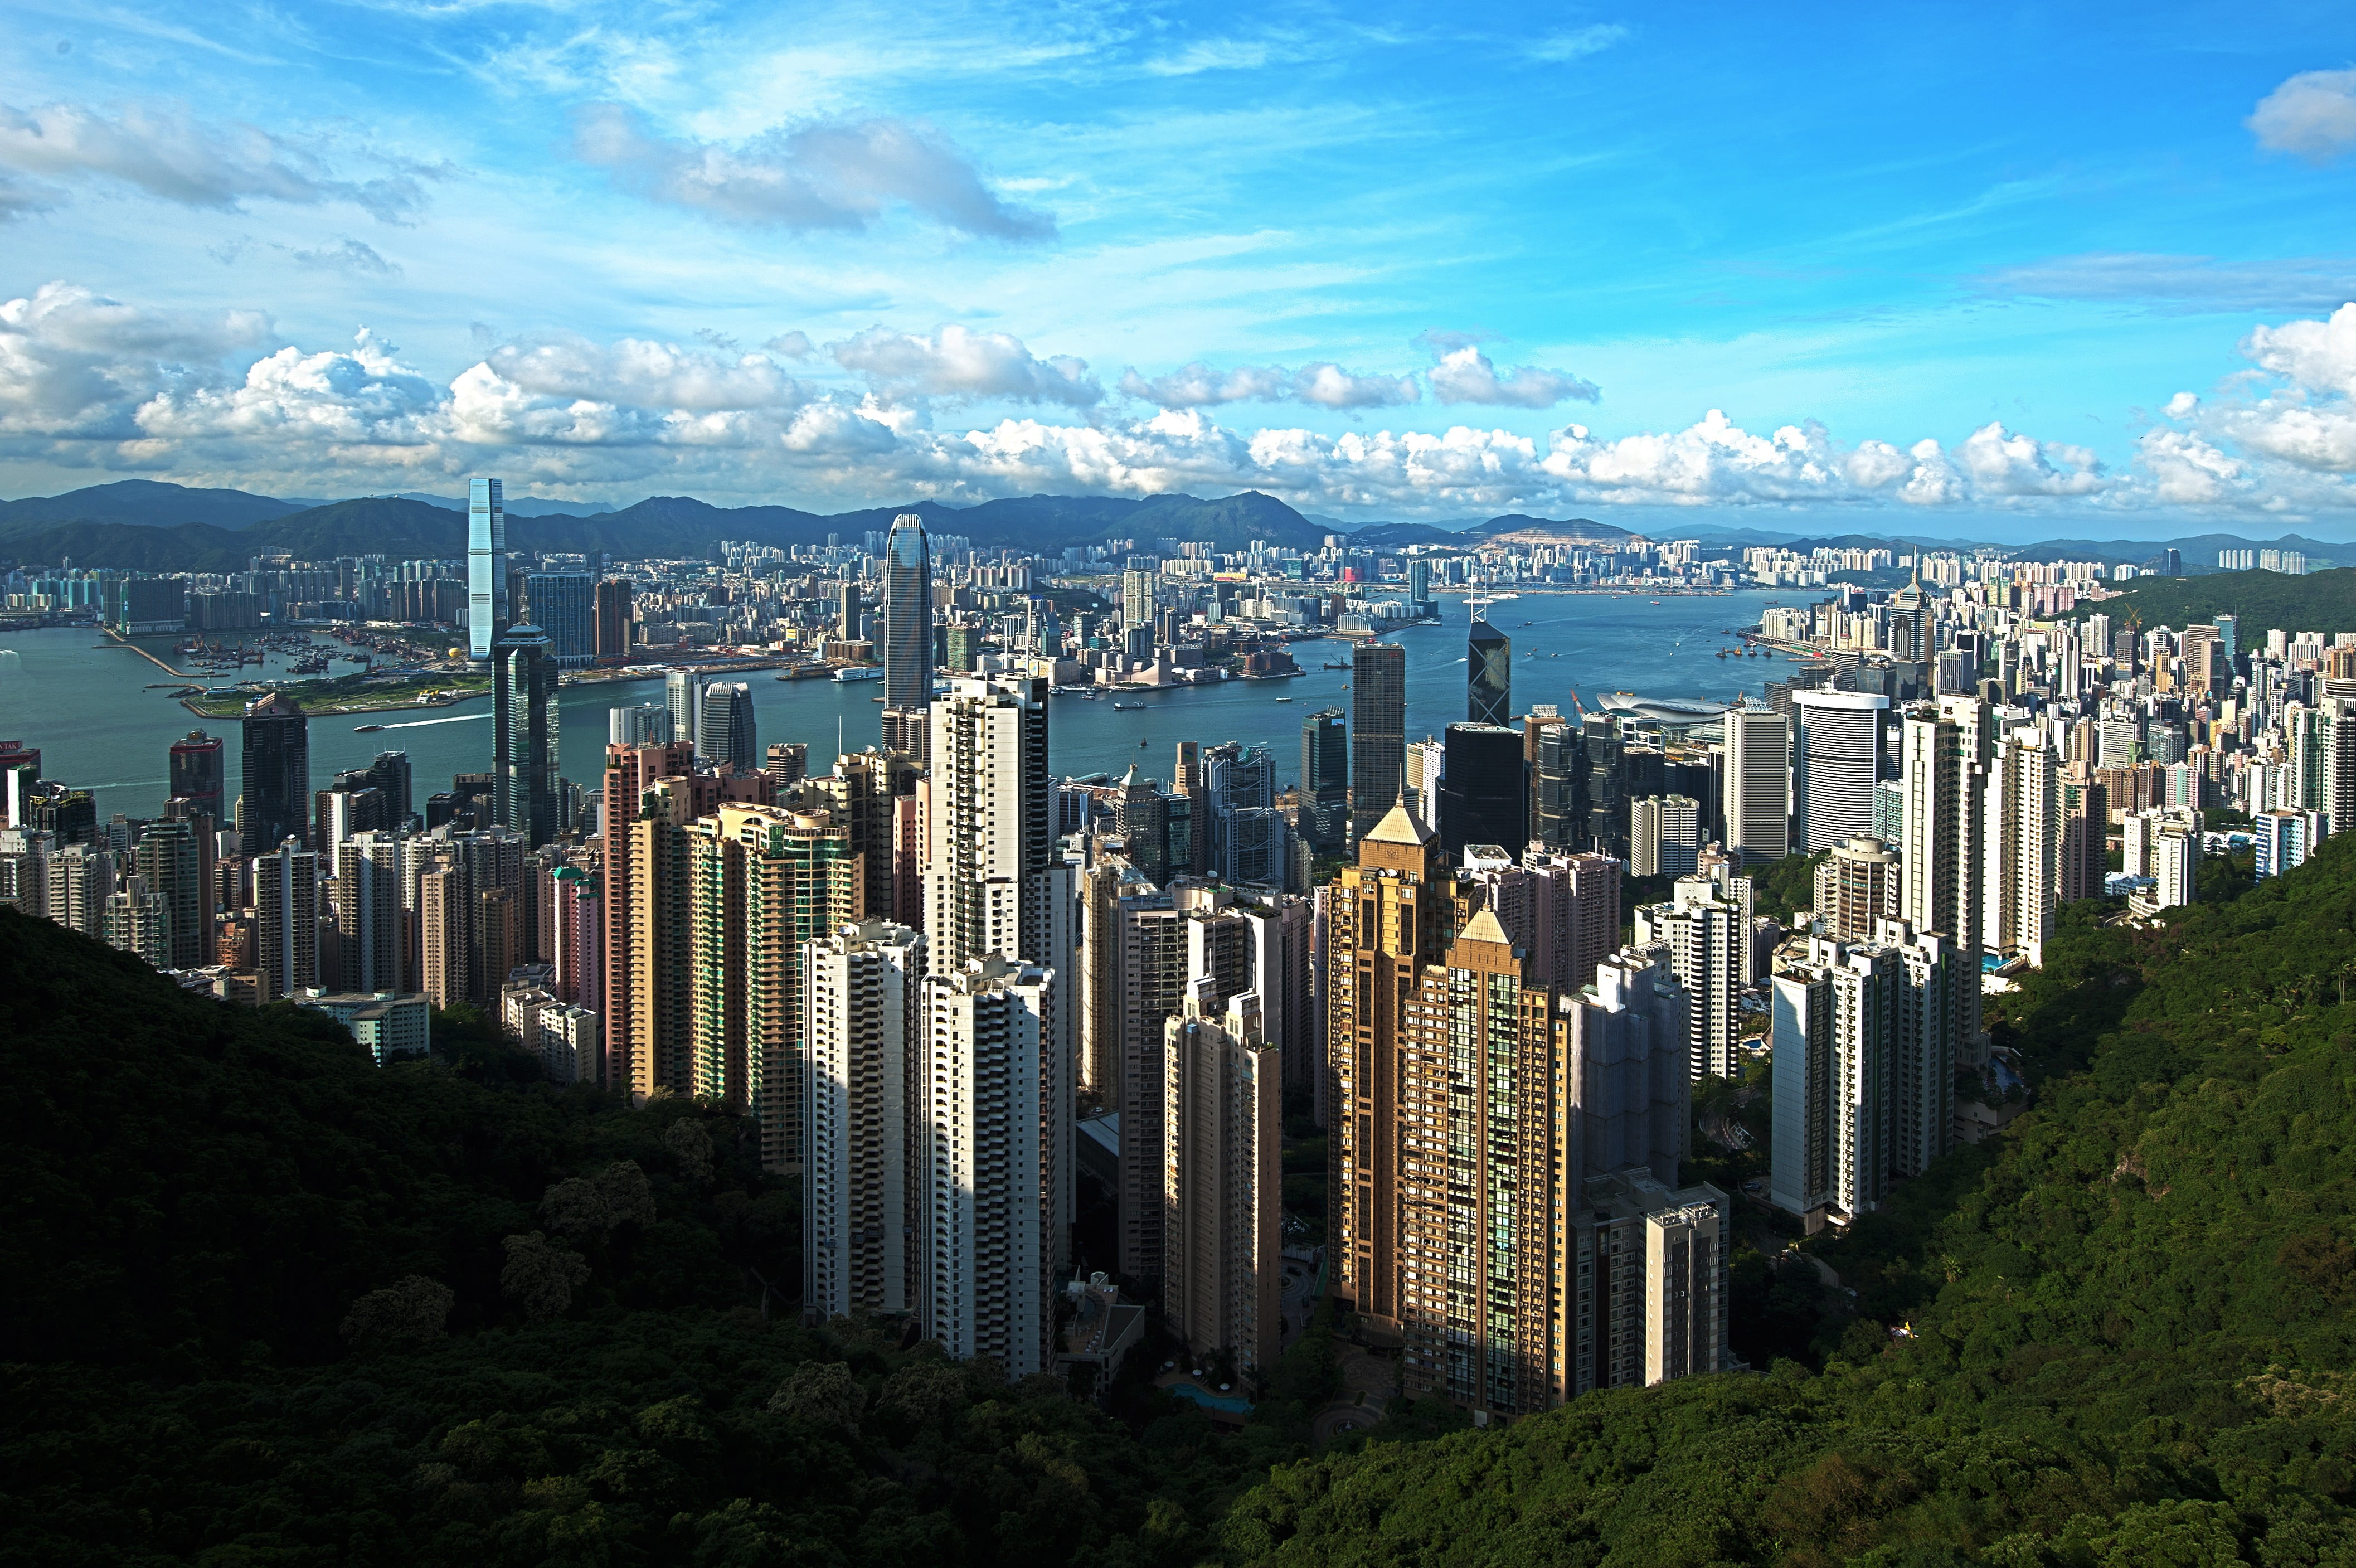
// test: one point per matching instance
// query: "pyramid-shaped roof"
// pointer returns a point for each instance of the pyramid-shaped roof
(1399, 826)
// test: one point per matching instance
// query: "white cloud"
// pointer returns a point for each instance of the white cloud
(957, 362)
(74, 364)
(2312, 115)
(166, 152)
(2315, 355)
(2182, 405)
(794, 345)
(214, 398)
(1328, 385)
(822, 174)
(1467, 375)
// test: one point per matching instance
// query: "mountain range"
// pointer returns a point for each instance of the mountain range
(147, 526)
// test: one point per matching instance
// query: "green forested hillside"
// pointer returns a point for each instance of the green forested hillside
(2126, 1327)
(271, 1304)
(2264, 601)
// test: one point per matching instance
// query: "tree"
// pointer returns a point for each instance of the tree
(824, 1392)
(539, 1278)
(691, 1146)
(589, 1208)
(414, 1308)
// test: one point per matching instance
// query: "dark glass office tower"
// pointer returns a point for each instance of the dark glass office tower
(1377, 731)
(727, 735)
(198, 776)
(1488, 676)
(907, 648)
(1324, 780)
(524, 745)
(612, 616)
(1603, 808)
(1481, 790)
(276, 804)
(563, 605)
(487, 567)
(389, 773)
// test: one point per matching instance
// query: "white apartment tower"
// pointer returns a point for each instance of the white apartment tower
(995, 1109)
(863, 1192)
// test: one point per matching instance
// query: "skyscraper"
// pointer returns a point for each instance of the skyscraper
(2022, 841)
(563, 605)
(1476, 1164)
(277, 798)
(487, 567)
(524, 733)
(1387, 917)
(368, 925)
(645, 724)
(995, 1109)
(1377, 731)
(169, 864)
(907, 633)
(286, 921)
(1488, 675)
(683, 695)
(1223, 1176)
(1325, 809)
(724, 731)
(863, 1197)
(1481, 790)
(614, 614)
(198, 775)
(1834, 762)
(1758, 797)
(640, 924)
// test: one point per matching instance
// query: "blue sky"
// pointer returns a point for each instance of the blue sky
(1936, 267)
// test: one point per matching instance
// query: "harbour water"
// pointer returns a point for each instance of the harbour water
(87, 706)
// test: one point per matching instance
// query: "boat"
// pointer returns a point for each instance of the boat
(1337, 664)
(1284, 698)
(1128, 707)
(366, 729)
(858, 672)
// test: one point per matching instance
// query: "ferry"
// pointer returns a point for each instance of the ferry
(1284, 698)
(858, 672)
(1128, 707)
(366, 729)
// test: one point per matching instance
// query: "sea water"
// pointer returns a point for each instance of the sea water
(87, 704)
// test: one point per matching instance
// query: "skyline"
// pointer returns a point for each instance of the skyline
(1374, 268)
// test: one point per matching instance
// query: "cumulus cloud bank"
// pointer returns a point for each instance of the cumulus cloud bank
(822, 174)
(215, 397)
(165, 151)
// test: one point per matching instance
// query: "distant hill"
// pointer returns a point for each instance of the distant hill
(406, 527)
(2260, 601)
(1570, 530)
(144, 503)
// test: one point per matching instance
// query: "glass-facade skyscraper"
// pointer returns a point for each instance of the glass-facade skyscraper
(524, 719)
(727, 734)
(907, 634)
(1488, 676)
(276, 805)
(1324, 780)
(487, 567)
(563, 605)
(1377, 731)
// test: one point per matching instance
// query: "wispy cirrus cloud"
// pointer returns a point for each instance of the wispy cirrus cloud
(2179, 284)
(1575, 43)
(164, 150)
(817, 175)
